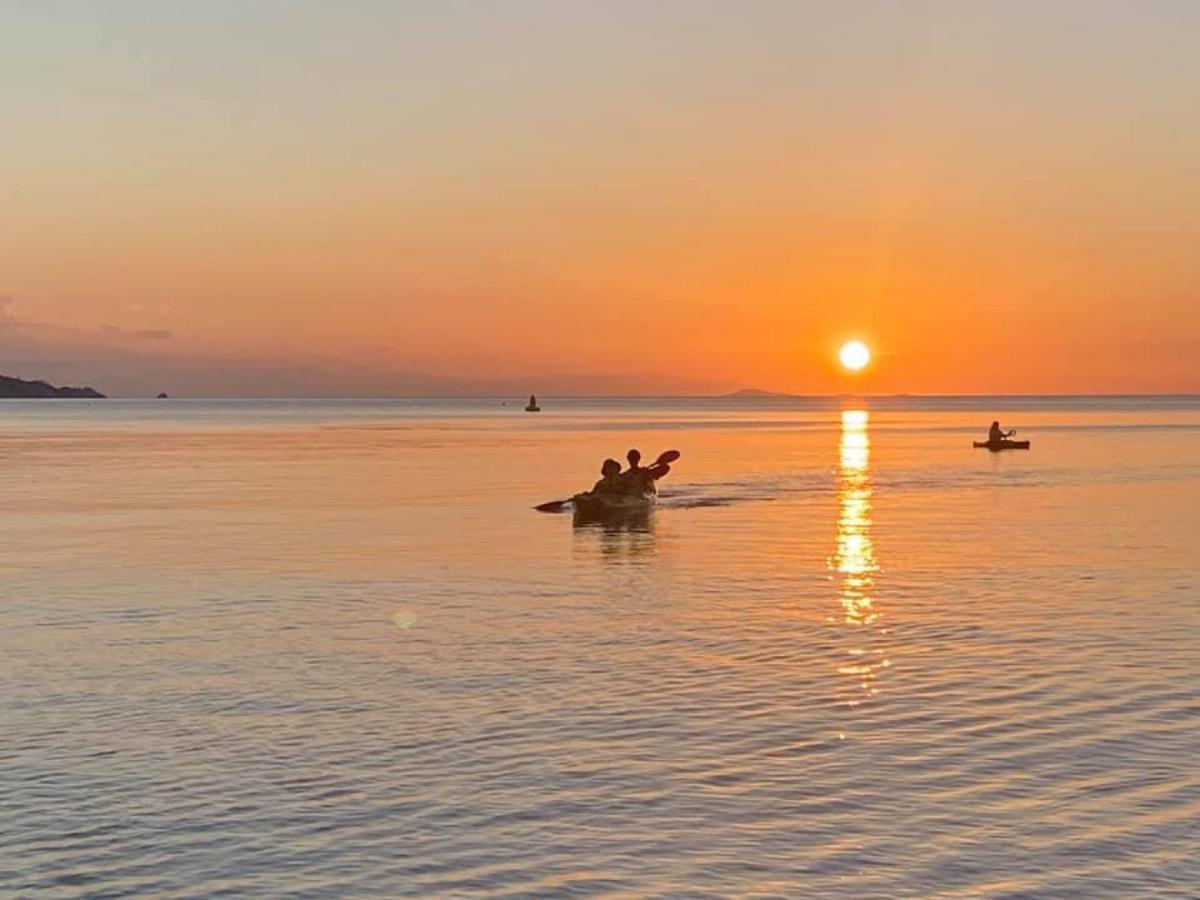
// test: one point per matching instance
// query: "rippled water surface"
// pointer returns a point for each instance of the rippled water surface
(320, 649)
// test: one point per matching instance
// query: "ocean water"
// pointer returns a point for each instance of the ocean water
(327, 649)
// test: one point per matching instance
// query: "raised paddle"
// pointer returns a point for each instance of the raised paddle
(666, 457)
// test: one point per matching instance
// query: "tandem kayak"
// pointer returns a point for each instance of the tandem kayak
(602, 504)
(618, 494)
(1002, 445)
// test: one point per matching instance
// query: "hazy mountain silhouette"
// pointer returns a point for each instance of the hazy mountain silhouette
(16, 388)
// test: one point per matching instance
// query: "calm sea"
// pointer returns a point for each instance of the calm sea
(327, 649)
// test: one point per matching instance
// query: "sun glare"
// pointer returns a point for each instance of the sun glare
(854, 355)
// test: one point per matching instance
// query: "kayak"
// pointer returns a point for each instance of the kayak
(630, 495)
(1002, 445)
(600, 504)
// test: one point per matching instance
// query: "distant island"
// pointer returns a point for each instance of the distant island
(759, 393)
(756, 392)
(18, 389)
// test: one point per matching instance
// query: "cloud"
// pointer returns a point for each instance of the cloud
(115, 333)
(11, 321)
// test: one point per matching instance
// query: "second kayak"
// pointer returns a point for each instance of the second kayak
(1002, 445)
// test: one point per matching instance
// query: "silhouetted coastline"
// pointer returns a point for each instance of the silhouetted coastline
(19, 389)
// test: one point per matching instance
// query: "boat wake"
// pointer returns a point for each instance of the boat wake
(748, 490)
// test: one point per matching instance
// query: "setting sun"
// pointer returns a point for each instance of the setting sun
(854, 355)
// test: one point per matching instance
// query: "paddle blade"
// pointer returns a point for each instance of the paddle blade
(667, 456)
(658, 470)
(552, 506)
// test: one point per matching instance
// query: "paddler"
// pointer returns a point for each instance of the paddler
(995, 435)
(635, 478)
(611, 480)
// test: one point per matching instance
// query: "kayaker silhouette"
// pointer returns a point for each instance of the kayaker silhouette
(611, 470)
(999, 439)
(995, 435)
(617, 491)
(638, 479)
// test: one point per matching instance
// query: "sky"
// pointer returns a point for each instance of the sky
(386, 198)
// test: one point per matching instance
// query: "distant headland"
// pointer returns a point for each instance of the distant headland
(755, 392)
(16, 388)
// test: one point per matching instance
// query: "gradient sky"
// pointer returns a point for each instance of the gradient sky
(311, 198)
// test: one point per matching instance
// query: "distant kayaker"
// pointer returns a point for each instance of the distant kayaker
(995, 435)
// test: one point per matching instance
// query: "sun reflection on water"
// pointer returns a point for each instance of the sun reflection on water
(854, 561)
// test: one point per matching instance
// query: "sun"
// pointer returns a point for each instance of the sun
(854, 355)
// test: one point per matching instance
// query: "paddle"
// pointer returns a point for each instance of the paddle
(667, 456)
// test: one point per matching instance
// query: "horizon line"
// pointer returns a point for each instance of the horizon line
(732, 395)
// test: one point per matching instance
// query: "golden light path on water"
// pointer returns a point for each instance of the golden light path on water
(854, 561)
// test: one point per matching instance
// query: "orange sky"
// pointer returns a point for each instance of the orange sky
(640, 198)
